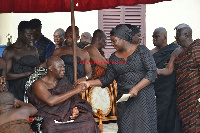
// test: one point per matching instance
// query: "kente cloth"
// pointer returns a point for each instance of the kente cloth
(138, 114)
(45, 48)
(165, 89)
(16, 126)
(84, 123)
(98, 71)
(24, 64)
(69, 67)
(188, 87)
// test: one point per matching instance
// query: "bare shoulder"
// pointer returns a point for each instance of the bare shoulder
(33, 49)
(2, 61)
(90, 49)
(9, 52)
(60, 51)
(85, 53)
(38, 83)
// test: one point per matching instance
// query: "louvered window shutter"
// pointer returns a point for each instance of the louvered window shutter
(109, 18)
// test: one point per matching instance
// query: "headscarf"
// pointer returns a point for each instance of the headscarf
(135, 29)
(122, 31)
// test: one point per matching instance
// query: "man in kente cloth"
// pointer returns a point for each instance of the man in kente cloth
(164, 86)
(185, 61)
(97, 57)
(56, 100)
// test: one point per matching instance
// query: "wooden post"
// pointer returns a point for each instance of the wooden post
(74, 42)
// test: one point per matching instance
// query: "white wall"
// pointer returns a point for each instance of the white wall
(169, 14)
(6, 27)
(86, 21)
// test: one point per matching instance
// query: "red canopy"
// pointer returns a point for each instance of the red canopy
(43, 6)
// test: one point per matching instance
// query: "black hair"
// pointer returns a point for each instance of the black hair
(23, 25)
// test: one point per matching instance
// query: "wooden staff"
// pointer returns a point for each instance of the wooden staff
(73, 40)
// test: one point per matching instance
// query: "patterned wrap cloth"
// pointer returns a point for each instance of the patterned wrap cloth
(16, 126)
(187, 66)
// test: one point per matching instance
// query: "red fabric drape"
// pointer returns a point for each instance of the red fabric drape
(43, 6)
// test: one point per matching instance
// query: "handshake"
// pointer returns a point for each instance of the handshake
(80, 87)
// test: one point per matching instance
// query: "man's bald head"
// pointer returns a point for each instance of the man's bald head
(55, 67)
(99, 34)
(181, 26)
(161, 30)
(100, 37)
(52, 60)
(60, 31)
(183, 35)
(185, 29)
(160, 37)
(6, 98)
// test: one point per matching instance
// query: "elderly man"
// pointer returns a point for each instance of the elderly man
(185, 61)
(57, 100)
(167, 120)
(59, 37)
(86, 39)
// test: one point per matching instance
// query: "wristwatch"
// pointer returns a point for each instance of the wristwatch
(86, 77)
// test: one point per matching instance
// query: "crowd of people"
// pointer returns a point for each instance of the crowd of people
(162, 83)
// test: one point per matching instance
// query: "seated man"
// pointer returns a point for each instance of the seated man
(54, 97)
(12, 119)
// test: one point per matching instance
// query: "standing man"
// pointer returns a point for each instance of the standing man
(165, 85)
(84, 70)
(86, 39)
(96, 53)
(21, 59)
(185, 61)
(44, 46)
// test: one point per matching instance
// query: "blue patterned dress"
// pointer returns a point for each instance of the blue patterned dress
(137, 115)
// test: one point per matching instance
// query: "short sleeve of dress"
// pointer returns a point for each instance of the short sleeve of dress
(149, 63)
(109, 75)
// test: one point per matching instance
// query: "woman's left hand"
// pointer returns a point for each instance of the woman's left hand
(133, 92)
